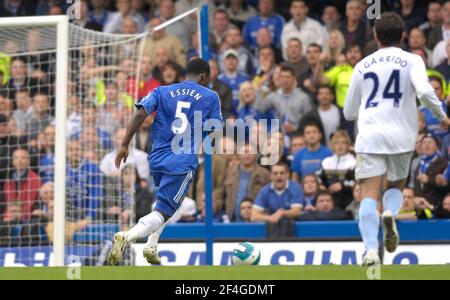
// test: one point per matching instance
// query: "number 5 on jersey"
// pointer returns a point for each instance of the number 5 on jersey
(179, 114)
(396, 95)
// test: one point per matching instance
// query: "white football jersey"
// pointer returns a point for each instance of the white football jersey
(382, 95)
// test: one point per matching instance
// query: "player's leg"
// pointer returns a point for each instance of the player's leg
(123, 239)
(170, 197)
(370, 170)
(397, 173)
(150, 250)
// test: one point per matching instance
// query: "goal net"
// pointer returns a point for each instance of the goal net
(103, 83)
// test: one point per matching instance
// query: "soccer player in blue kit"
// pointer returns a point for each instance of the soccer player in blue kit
(175, 106)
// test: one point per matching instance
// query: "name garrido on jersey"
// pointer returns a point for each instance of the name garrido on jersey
(386, 59)
(186, 92)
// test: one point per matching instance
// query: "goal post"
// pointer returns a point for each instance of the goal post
(62, 51)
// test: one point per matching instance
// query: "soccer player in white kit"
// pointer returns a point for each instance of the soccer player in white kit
(382, 96)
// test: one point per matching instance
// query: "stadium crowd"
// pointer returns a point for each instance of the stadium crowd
(289, 60)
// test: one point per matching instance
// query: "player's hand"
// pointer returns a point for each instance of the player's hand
(121, 154)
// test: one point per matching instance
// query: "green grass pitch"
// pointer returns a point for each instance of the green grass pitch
(230, 272)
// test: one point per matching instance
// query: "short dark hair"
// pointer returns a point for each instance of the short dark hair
(325, 193)
(247, 199)
(326, 86)
(436, 78)
(352, 46)
(280, 164)
(389, 28)
(287, 68)
(315, 45)
(198, 66)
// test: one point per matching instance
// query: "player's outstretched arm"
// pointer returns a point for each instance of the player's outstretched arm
(134, 125)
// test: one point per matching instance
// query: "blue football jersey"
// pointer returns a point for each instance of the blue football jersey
(177, 135)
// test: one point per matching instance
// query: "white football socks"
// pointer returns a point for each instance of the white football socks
(146, 226)
(153, 239)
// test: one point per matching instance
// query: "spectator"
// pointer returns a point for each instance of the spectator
(244, 178)
(19, 79)
(354, 27)
(41, 117)
(24, 111)
(91, 145)
(171, 74)
(312, 57)
(82, 19)
(276, 150)
(433, 125)
(99, 14)
(353, 207)
(434, 16)
(135, 157)
(246, 109)
(296, 60)
(239, 12)
(306, 29)
(231, 76)
(219, 169)
(308, 160)
(22, 186)
(412, 14)
(289, 102)
(221, 27)
(329, 117)
(264, 40)
(219, 216)
(177, 29)
(84, 184)
(340, 75)
(279, 201)
(311, 187)
(233, 40)
(266, 18)
(325, 210)
(266, 63)
(47, 161)
(17, 8)
(161, 57)
(222, 89)
(439, 37)
(297, 143)
(336, 45)
(114, 22)
(444, 67)
(8, 144)
(407, 212)
(417, 40)
(431, 164)
(414, 166)
(89, 119)
(143, 136)
(246, 209)
(160, 39)
(439, 211)
(40, 211)
(338, 171)
(330, 17)
(128, 26)
(147, 83)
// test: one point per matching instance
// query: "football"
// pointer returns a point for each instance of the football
(246, 254)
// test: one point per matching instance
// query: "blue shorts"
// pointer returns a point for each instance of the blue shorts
(171, 190)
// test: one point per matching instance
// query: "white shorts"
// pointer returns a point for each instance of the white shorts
(395, 166)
